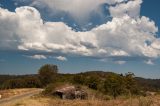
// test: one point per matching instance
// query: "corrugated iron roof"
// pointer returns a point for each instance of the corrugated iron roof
(66, 89)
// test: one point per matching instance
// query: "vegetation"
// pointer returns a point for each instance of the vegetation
(114, 85)
(26, 82)
(107, 83)
(47, 74)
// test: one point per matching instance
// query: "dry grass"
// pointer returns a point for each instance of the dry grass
(14, 92)
(46, 101)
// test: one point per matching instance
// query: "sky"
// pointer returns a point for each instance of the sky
(92, 35)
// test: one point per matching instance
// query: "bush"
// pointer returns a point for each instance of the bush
(26, 82)
(131, 84)
(114, 85)
(93, 82)
(49, 90)
(78, 79)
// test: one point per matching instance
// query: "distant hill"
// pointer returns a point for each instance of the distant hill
(146, 84)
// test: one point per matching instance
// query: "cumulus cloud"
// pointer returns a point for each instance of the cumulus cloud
(124, 35)
(131, 8)
(61, 58)
(39, 57)
(80, 10)
(156, 44)
(77, 8)
(127, 36)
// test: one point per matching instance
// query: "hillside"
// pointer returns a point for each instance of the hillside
(148, 84)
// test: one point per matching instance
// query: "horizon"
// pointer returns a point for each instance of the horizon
(116, 35)
(82, 72)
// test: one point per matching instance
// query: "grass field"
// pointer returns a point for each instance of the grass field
(13, 92)
(46, 101)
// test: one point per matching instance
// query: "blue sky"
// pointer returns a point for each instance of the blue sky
(120, 36)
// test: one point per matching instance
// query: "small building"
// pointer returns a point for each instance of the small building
(70, 92)
(148, 93)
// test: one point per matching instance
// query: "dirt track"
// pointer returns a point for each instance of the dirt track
(18, 97)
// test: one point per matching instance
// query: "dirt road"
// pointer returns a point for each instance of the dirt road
(18, 97)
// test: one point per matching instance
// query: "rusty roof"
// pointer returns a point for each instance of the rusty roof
(66, 89)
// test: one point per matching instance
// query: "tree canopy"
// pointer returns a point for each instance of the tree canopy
(47, 73)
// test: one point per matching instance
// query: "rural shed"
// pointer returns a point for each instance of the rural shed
(70, 92)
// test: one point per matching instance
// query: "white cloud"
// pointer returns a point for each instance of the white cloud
(120, 62)
(114, 1)
(61, 58)
(156, 44)
(131, 8)
(149, 62)
(39, 57)
(80, 10)
(127, 36)
(122, 36)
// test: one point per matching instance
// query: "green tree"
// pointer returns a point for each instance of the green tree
(114, 85)
(47, 74)
(32, 82)
(13, 83)
(78, 79)
(93, 82)
(131, 84)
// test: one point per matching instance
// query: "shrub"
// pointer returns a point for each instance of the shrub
(49, 90)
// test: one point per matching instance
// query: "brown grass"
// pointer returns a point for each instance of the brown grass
(46, 101)
(13, 92)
